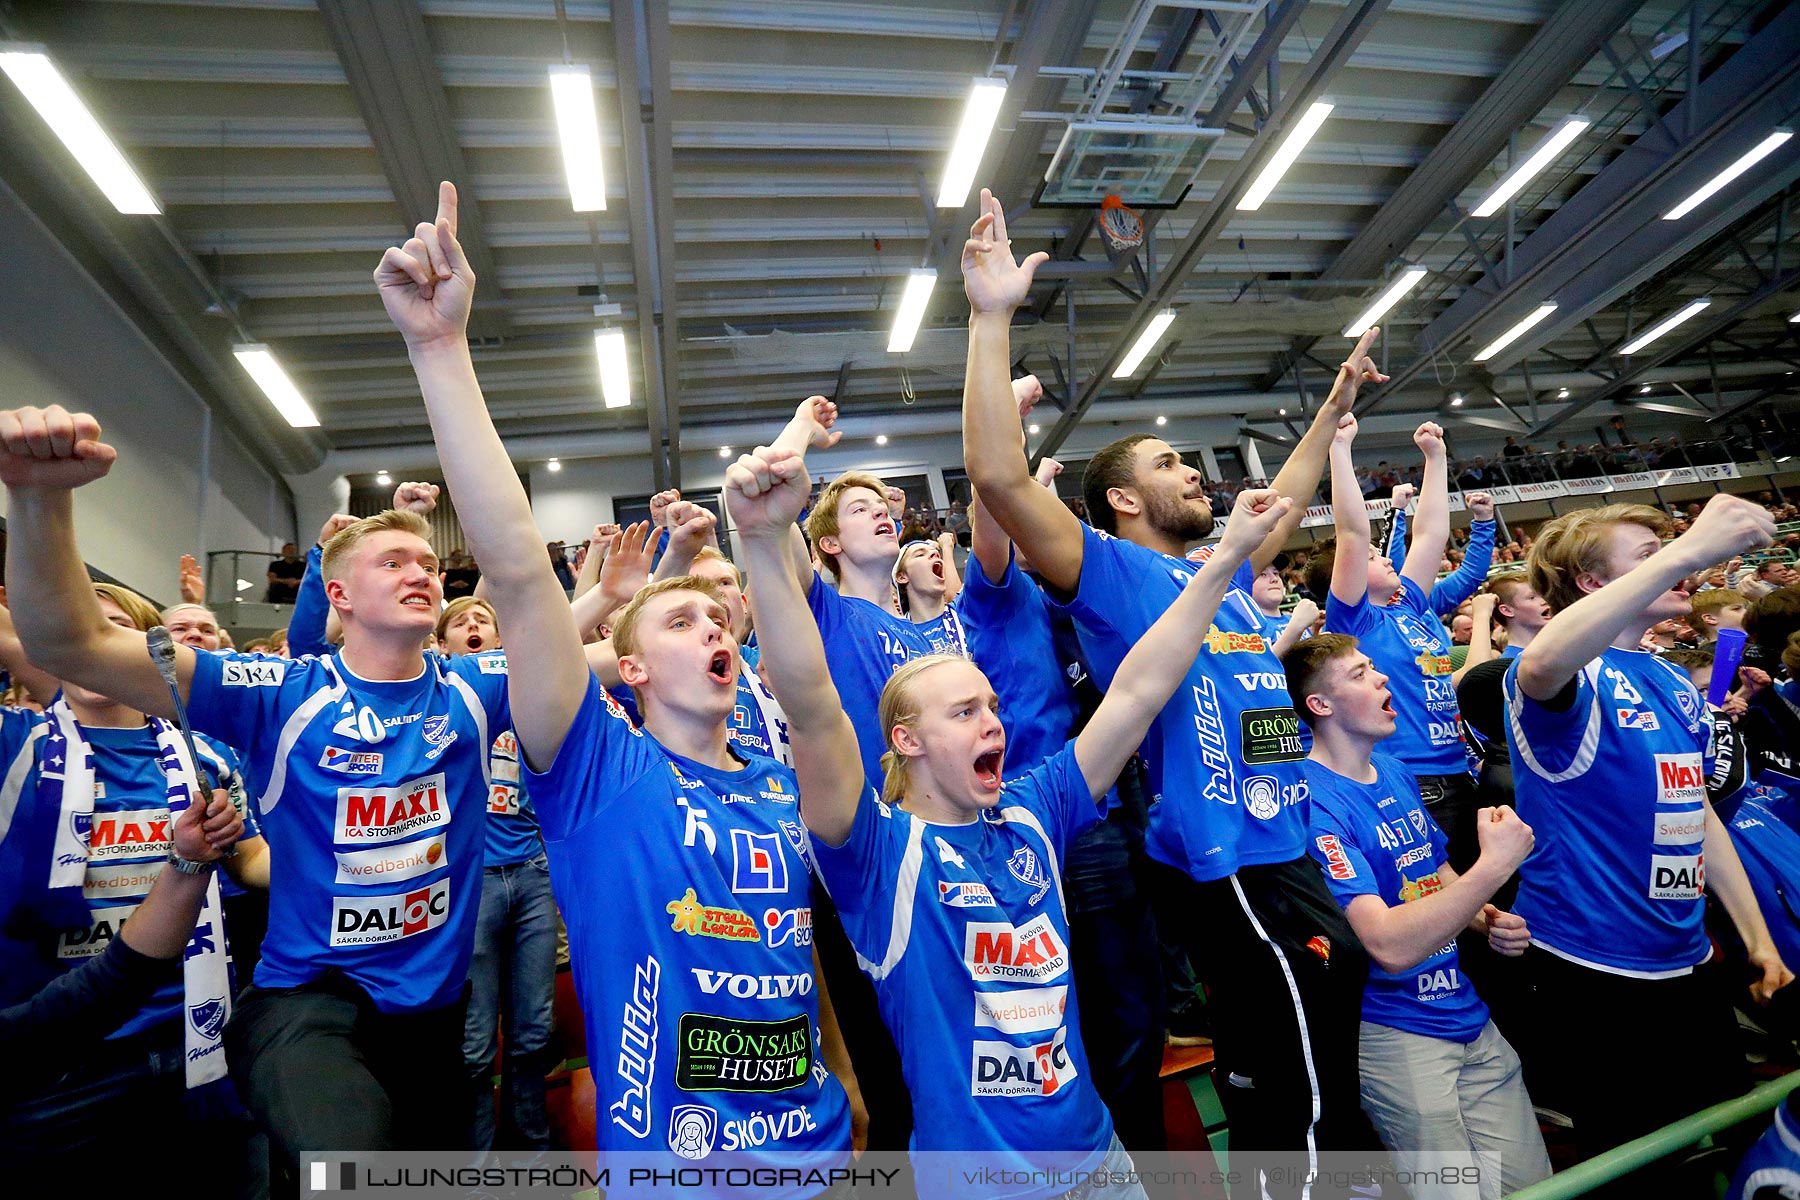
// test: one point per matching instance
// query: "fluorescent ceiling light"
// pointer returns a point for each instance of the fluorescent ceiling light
(1408, 280)
(615, 370)
(1162, 420)
(1759, 152)
(70, 120)
(971, 142)
(1562, 393)
(554, 464)
(1663, 326)
(1031, 429)
(724, 451)
(1146, 342)
(260, 362)
(1456, 400)
(912, 309)
(1284, 156)
(578, 125)
(1546, 152)
(881, 439)
(383, 478)
(1516, 332)
(1795, 319)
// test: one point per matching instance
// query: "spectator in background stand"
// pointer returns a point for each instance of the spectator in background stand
(1512, 451)
(284, 575)
(559, 563)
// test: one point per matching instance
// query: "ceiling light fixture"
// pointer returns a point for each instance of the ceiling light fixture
(1516, 332)
(615, 368)
(979, 115)
(1284, 156)
(383, 479)
(554, 465)
(1562, 393)
(49, 92)
(1663, 326)
(724, 451)
(1146, 342)
(1408, 280)
(578, 127)
(1541, 156)
(881, 439)
(911, 312)
(1031, 429)
(1456, 400)
(1162, 420)
(1755, 155)
(259, 360)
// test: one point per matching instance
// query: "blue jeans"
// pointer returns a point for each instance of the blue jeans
(512, 983)
(1118, 976)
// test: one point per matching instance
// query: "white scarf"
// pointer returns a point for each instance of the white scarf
(206, 983)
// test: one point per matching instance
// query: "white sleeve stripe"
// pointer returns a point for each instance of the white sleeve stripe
(1025, 817)
(290, 733)
(14, 783)
(906, 887)
(1590, 736)
(479, 715)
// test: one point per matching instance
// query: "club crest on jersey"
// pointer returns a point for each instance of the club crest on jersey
(437, 731)
(757, 864)
(1026, 868)
(1689, 700)
(208, 1017)
(692, 1128)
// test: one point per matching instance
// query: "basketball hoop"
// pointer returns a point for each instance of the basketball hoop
(1120, 228)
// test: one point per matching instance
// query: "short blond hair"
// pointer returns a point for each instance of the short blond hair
(168, 614)
(1575, 544)
(712, 554)
(822, 522)
(900, 705)
(1713, 599)
(141, 611)
(343, 544)
(456, 608)
(624, 626)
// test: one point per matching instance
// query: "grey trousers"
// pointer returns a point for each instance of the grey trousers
(1435, 1103)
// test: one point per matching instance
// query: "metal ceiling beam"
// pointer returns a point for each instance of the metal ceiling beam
(392, 70)
(1609, 236)
(646, 118)
(1307, 85)
(1533, 78)
(1711, 328)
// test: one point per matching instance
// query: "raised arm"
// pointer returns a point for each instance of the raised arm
(1481, 635)
(1396, 536)
(1299, 625)
(588, 573)
(47, 453)
(1575, 636)
(1350, 561)
(1160, 660)
(953, 583)
(812, 425)
(764, 494)
(309, 625)
(428, 287)
(690, 528)
(1298, 478)
(1431, 528)
(39, 684)
(1478, 558)
(624, 571)
(993, 452)
(1401, 936)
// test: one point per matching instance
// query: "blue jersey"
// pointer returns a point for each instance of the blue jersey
(928, 905)
(1376, 839)
(1770, 1170)
(1466, 580)
(24, 859)
(512, 827)
(1511, 651)
(128, 847)
(1408, 645)
(703, 1024)
(1770, 851)
(373, 797)
(1010, 639)
(864, 644)
(945, 632)
(1614, 786)
(1224, 754)
(757, 726)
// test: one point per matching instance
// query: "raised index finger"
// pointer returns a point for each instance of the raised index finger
(447, 204)
(991, 203)
(1362, 344)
